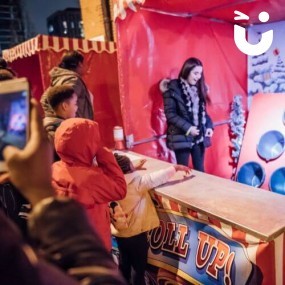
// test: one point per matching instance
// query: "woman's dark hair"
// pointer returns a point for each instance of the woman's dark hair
(187, 67)
(71, 60)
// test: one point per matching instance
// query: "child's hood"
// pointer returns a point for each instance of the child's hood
(77, 140)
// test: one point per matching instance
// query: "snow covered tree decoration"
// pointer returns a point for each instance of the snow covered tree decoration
(237, 124)
(278, 72)
(259, 77)
(266, 74)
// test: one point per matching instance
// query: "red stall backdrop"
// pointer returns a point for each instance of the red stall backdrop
(221, 9)
(153, 45)
(36, 57)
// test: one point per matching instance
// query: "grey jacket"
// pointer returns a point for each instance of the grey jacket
(60, 76)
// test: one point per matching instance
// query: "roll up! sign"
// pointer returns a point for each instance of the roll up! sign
(198, 252)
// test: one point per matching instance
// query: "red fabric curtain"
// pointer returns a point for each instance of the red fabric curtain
(101, 79)
(222, 9)
(30, 67)
(152, 46)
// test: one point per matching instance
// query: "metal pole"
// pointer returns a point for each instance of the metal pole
(131, 143)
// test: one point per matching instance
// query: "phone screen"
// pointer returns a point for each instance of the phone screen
(14, 117)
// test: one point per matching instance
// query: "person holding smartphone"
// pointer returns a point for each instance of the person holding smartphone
(14, 113)
(72, 256)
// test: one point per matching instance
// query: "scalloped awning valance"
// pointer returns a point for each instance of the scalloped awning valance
(44, 42)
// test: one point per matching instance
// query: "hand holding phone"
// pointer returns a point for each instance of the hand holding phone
(14, 115)
(29, 169)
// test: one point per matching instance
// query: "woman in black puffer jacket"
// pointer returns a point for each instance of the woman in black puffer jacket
(189, 127)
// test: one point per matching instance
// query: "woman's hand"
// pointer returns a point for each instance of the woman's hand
(194, 131)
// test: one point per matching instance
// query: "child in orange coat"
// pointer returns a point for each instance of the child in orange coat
(77, 142)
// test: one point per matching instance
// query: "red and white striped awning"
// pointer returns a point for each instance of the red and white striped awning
(43, 42)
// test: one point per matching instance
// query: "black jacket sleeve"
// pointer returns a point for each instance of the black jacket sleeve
(61, 231)
(209, 122)
(172, 116)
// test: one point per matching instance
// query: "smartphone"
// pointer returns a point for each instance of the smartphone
(14, 115)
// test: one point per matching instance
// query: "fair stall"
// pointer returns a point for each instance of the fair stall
(36, 57)
(154, 39)
(215, 231)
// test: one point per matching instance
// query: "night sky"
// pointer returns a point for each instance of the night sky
(38, 11)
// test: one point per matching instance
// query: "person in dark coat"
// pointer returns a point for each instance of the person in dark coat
(189, 127)
(70, 71)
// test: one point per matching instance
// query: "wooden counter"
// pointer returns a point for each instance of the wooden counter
(256, 211)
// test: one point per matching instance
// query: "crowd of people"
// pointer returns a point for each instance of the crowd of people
(71, 183)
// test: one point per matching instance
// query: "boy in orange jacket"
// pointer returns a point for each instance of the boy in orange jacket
(77, 142)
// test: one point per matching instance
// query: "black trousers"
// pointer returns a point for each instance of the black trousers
(197, 153)
(133, 255)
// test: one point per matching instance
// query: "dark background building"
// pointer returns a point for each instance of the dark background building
(66, 23)
(12, 30)
(21, 20)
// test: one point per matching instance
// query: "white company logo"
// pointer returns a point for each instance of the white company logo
(240, 36)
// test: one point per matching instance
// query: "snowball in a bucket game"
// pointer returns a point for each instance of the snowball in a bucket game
(277, 181)
(251, 173)
(271, 145)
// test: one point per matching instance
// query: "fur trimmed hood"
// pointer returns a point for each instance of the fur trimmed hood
(163, 85)
(167, 84)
